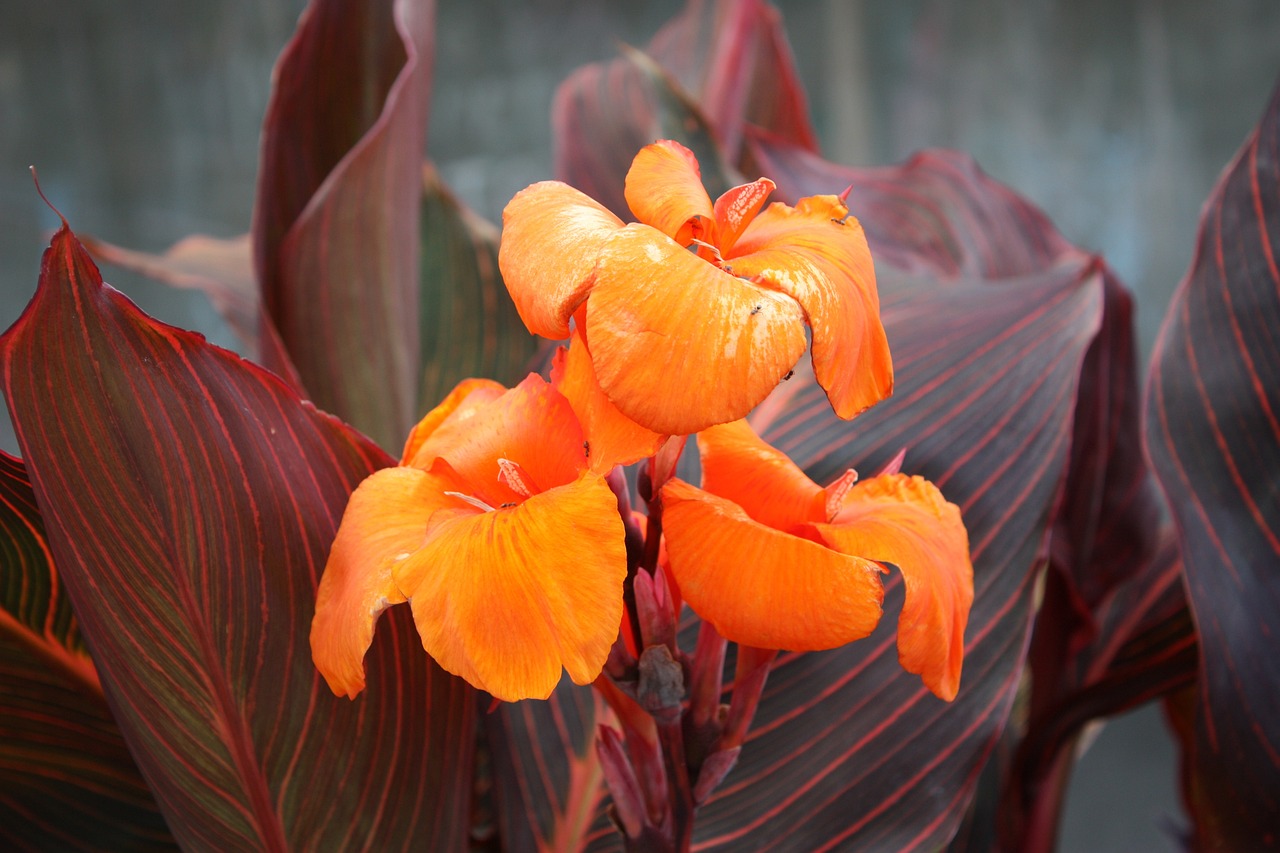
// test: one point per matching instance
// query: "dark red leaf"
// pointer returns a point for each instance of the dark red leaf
(734, 58)
(987, 377)
(67, 781)
(190, 499)
(604, 113)
(470, 326)
(937, 213)
(336, 223)
(1106, 594)
(711, 70)
(1213, 436)
(548, 781)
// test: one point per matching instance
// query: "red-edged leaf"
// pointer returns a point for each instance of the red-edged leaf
(335, 228)
(67, 781)
(548, 781)
(221, 269)
(470, 326)
(939, 216)
(987, 378)
(733, 56)
(1213, 436)
(190, 499)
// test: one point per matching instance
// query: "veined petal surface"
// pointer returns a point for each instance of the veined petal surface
(679, 344)
(817, 254)
(906, 521)
(759, 586)
(507, 598)
(551, 235)
(384, 523)
(664, 190)
(738, 465)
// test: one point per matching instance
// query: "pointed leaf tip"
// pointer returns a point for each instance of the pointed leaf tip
(36, 178)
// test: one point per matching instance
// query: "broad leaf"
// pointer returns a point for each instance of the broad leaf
(1213, 436)
(335, 228)
(547, 777)
(189, 499)
(873, 759)
(66, 779)
(469, 324)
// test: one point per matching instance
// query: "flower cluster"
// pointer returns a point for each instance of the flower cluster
(503, 528)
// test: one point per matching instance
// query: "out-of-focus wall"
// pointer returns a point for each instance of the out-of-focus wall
(1115, 117)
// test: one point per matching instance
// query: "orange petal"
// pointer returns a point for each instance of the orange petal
(818, 255)
(506, 599)
(551, 235)
(738, 465)
(532, 425)
(761, 587)
(678, 344)
(612, 438)
(906, 521)
(664, 189)
(737, 207)
(466, 397)
(384, 523)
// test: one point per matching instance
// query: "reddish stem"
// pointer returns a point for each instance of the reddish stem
(748, 683)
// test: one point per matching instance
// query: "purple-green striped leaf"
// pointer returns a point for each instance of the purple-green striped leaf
(67, 781)
(1213, 436)
(335, 230)
(190, 499)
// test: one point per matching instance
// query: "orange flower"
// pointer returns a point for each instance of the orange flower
(507, 543)
(774, 561)
(694, 314)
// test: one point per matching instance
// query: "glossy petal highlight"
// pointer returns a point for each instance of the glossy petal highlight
(906, 521)
(817, 254)
(505, 599)
(678, 344)
(551, 236)
(738, 465)
(385, 523)
(611, 438)
(759, 586)
(664, 190)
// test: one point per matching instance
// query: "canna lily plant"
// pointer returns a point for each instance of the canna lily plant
(865, 600)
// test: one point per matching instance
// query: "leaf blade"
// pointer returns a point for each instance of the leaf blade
(190, 498)
(1213, 437)
(67, 780)
(335, 227)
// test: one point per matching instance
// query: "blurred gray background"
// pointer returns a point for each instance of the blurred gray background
(1115, 117)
